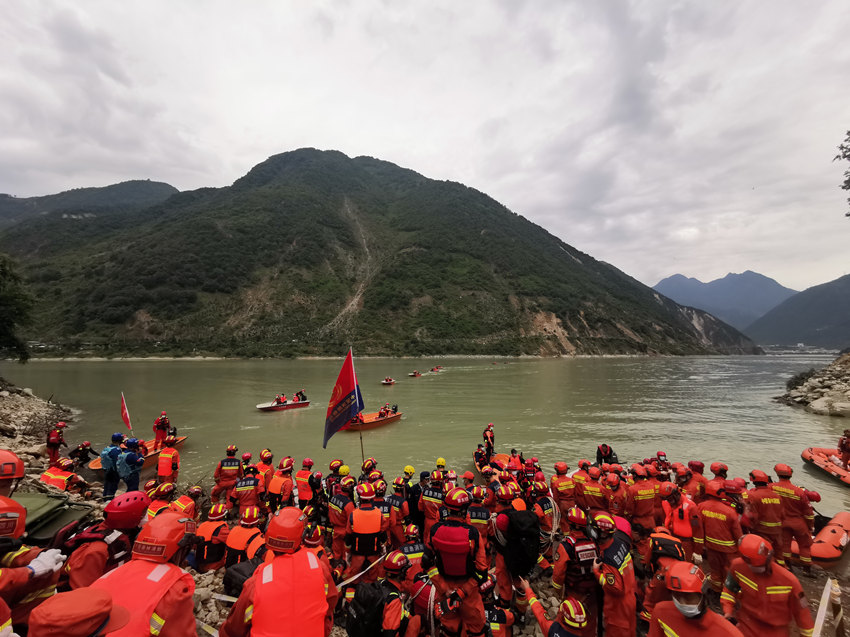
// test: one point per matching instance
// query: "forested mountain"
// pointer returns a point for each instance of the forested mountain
(817, 316)
(737, 299)
(129, 195)
(312, 251)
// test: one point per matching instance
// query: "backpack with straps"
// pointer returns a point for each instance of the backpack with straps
(364, 615)
(522, 547)
(235, 576)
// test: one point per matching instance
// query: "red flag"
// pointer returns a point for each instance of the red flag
(346, 401)
(125, 415)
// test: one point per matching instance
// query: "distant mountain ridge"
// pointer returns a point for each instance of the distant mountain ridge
(312, 251)
(737, 299)
(818, 316)
(132, 194)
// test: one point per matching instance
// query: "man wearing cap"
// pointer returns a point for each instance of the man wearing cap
(468, 481)
(84, 612)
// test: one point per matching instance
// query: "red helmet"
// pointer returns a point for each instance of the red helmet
(150, 486)
(479, 494)
(170, 440)
(451, 475)
(683, 474)
(505, 493)
(730, 487)
(783, 470)
(162, 414)
(666, 489)
(308, 462)
(602, 524)
(365, 491)
(714, 489)
(11, 467)
(583, 463)
(505, 477)
(195, 492)
(411, 532)
(577, 517)
(396, 563)
(489, 425)
(759, 477)
(250, 516)
(232, 449)
(285, 530)
(571, 614)
(217, 512)
(617, 467)
(651, 470)
(561, 468)
(638, 471)
(166, 489)
(251, 470)
(266, 455)
(594, 473)
(685, 577)
(487, 470)
(605, 467)
(13, 518)
(696, 466)
(85, 444)
(162, 536)
(312, 535)
(399, 484)
(126, 510)
(529, 464)
(613, 480)
(755, 550)
(375, 475)
(539, 488)
(246, 457)
(437, 476)
(368, 465)
(66, 464)
(813, 496)
(286, 464)
(718, 467)
(61, 424)
(457, 499)
(380, 487)
(335, 465)
(347, 483)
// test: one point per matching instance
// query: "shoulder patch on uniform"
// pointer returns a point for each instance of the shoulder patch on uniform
(609, 579)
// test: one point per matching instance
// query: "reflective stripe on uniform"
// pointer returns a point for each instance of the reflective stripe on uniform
(157, 573)
(157, 623)
(668, 632)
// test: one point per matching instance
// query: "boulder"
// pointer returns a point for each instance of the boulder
(819, 406)
(841, 409)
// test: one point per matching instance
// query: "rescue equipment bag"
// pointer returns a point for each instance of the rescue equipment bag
(364, 615)
(523, 542)
(662, 546)
(124, 469)
(454, 555)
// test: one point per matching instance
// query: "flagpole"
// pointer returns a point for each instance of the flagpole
(362, 455)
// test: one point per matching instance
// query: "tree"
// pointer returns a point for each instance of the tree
(15, 306)
(844, 155)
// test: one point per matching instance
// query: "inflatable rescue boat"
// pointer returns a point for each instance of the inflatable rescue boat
(830, 542)
(828, 460)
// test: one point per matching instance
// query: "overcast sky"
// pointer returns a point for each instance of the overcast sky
(662, 137)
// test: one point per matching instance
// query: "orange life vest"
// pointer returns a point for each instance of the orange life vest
(290, 597)
(167, 458)
(242, 543)
(56, 477)
(210, 552)
(681, 525)
(366, 529)
(138, 586)
(156, 507)
(304, 490)
(184, 504)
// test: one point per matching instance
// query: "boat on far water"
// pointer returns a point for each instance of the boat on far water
(275, 406)
(388, 381)
(415, 373)
(371, 421)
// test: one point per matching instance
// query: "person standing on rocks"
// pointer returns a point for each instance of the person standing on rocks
(844, 448)
(55, 439)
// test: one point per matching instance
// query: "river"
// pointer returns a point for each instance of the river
(706, 408)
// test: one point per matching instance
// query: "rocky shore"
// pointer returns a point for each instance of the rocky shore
(825, 392)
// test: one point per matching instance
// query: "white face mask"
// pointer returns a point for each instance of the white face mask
(688, 610)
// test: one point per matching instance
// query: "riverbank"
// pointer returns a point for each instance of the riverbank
(824, 392)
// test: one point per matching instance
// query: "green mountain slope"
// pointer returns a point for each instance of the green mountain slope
(126, 195)
(312, 251)
(817, 316)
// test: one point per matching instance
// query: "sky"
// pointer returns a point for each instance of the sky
(662, 137)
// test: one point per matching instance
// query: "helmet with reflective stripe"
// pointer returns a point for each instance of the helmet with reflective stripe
(396, 563)
(411, 532)
(577, 517)
(759, 477)
(457, 499)
(126, 510)
(505, 477)
(539, 488)
(250, 516)
(600, 526)
(163, 536)
(286, 464)
(666, 489)
(399, 484)
(231, 450)
(685, 577)
(365, 491)
(451, 475)
(66, 464)
(217, 512)
(505, 493)
(285, 530)
(61, 424)
(251, 470)
(571, 613)
(375, 475)
(150, 487)
(783, 470)
(380, 487)
(561, 468)
(266, 455)
(166, 489)
(347, 483)
(334, 465)
(754, 550)
(479, 494)
(437, 476)
(194, 492)
(170, 440)
(368, 465)
(11, 467)
(312, 534)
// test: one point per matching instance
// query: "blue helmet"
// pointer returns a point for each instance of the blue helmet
(116, 437)
(133, 442)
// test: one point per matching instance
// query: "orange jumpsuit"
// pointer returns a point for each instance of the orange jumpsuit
(573, 575)
(91, 560)
(595, 497)
(616, 576)
(668, 621)
(721, 529)
(798, 519)
(684, 522)
(429, 504)
(765, 513)
(657, 509)
(693, 488)
(767, 602)
(564, 490)
(580, 478)
(247, 493)
(640, 504)
(401, 512)
(226, 475)
(617, 499)
(396, 621)
(305, 491)
(340, 507)
(17, 589)
(478, 516)
(165, 471)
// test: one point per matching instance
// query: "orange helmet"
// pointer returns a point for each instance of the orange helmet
(605, 467)
(479, 494)
(813, 496)
(217, 512)
(685, 577)
(714, 489)
(250, 516)
(666, 489)
(759, 477)
(577, 517)
(594, 473)
(613, 480)
(571, 614)
(651, 470)
(396, 563)
(638, 471)
(411, 532)
(246, 457)
(61, 424)
(505, 493)
(335, 465)
(126, 510)
(286, 464)
(718, 467)
(561, 468)
(11, 467)
(285, 530)
(312, 535)
(457, 499)
(266, 455)
(170, 440)
(13, 518)
(163, 536)
(754, 550)
(365, 491)
(783, 470)
(584, 463)
(375, 475)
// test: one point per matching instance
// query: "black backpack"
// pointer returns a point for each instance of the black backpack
(235, 576)
(522, 547)
(664, 546)
(364, 615)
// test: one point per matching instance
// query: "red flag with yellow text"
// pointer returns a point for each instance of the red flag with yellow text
(346, 401)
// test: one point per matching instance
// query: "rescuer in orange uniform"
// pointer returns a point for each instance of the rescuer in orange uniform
(105, 545)
(681, 517)
(689, 485)
(431, 501)
(616, 491)
(573, 573)
(28, 575)
(489, 441)
(340, 507)
(570, 621)
(188, 502)
(226, 475)
(302, 483)
(366, 534)
(400, 512)
(844, 448)
(414, 550)
(292, 596)
(663, 550)
(545, 509)
(594, 494)
(616, 576)
(313, 540)
(265, 467)
(244, 540)
(458, 553)
(798, 517)
(396, 621)
(653, 478)
(168, 463)
(55, 439)
(281, 486)
(640, 499)
(687, 615)
(160, 430)
(161, 500)
(720, 471)
(478, 515)
(764, 509)
(764, 596)
(152, 586)
(61, 476)
(212, 535)
(564, 491)
(248, 491)
(721, 530)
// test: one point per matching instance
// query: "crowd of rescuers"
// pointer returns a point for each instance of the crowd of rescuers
(655, 548)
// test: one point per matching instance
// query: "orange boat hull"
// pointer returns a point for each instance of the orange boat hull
(830, 543)
(502, 458)
(150, 459)
(371, 421)
(820, 457)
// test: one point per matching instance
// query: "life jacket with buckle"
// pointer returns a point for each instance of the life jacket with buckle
(366, 531)
(208, 551)
(242, 544)
(289, 597)
(582, 552)
(118, 545)
(166, 461)
(453, 544)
